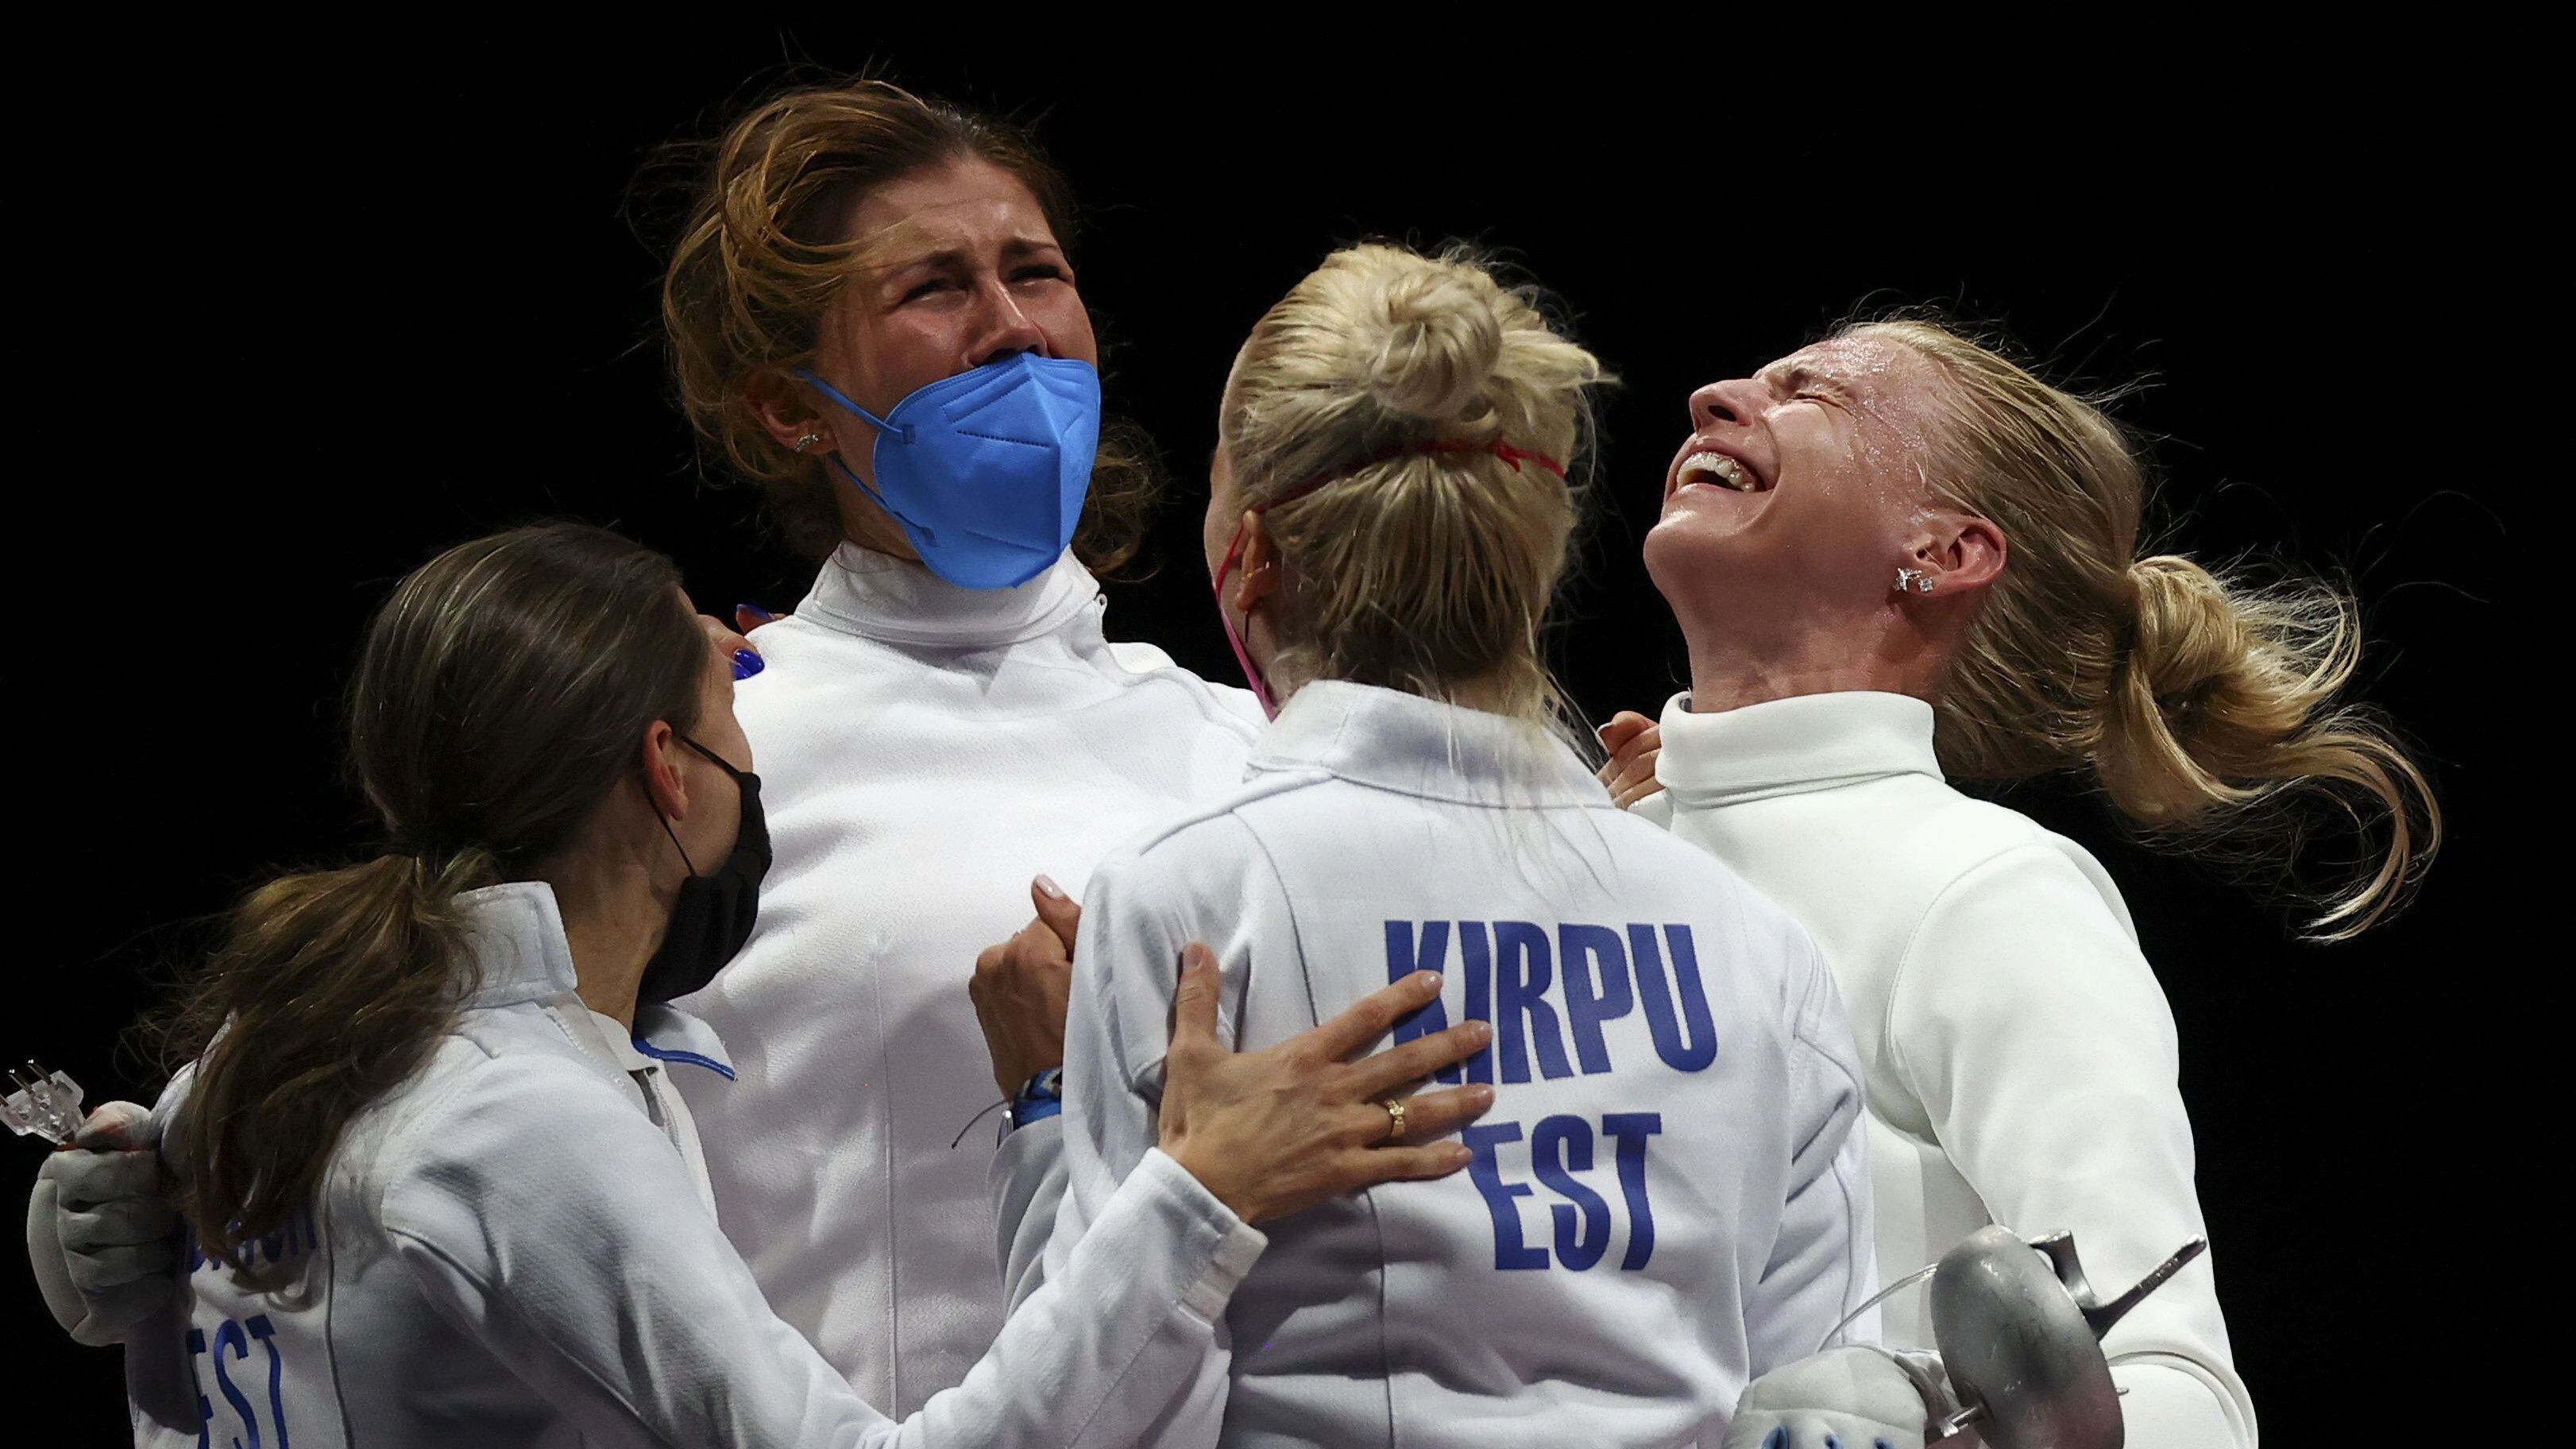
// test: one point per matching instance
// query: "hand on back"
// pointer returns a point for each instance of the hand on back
(1274, 1131)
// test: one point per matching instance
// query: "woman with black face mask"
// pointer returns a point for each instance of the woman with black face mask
(437, 1185)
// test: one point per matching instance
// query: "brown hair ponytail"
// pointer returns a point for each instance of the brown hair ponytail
(500, 696)
(331, 990)
(2196, 699)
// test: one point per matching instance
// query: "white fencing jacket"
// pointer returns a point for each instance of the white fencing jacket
(1668, 1195)
(514, 1249)
(924, 750)
(2021, 1057)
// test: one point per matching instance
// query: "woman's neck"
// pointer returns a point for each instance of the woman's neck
(1487, 693)
(1726, 673)
(613, 921)
(868, 526)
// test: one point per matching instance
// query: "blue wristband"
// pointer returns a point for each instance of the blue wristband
(1042, 1097)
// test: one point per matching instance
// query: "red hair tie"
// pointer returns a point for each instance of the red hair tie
(1504, 451)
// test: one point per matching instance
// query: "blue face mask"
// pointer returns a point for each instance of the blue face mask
(986, 471)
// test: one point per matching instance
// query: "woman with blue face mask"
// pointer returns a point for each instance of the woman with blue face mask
(873, 316)
(439, 1185)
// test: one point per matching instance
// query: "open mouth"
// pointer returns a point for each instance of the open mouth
(1717, 470)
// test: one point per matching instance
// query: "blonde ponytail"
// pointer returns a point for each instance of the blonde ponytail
(2198, 701)
(1437, 341)
(1426, 571)
(2229, 698)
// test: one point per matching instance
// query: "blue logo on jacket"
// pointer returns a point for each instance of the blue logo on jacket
(1549, 996)
(1513, 981)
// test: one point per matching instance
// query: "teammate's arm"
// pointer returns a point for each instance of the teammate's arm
(1019, 990)
(2035, 1035)
(1822, 1266)
(597, 1276)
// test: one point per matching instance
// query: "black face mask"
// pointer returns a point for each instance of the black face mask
(714, 914)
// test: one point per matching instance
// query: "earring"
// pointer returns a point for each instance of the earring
(1914, 579)
(807, 441)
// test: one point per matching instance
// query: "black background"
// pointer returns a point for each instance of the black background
(307, 317)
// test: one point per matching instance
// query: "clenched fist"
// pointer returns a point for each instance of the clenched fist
(1021, 986)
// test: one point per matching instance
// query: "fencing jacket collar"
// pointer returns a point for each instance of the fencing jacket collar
(1414, 746)
(878, 596)
(1791, 746)
(519, 944)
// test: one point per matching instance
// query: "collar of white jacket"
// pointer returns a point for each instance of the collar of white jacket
(878, 596)
(1423, 747)
(524, 956)
(1792, 746)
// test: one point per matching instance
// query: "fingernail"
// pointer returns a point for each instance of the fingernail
(1480, 1097)
(1459, 1156)
(1052, 891)
(1480, 1032)
(746, 664)
(756, 611)
(1430, 979)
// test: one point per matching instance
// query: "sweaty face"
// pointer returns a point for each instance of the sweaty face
(963, 270)
(1798, 492)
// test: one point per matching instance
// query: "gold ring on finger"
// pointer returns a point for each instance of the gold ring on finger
(1394, 1117)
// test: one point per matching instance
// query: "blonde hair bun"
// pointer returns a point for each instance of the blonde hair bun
(1426, 571)
(2190, 632)
(1440, 343)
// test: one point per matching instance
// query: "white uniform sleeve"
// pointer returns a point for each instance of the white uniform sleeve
(1126, 967)
(572, 1242)
(1026, 1183)
(2033, 1032)
(1822, 1266)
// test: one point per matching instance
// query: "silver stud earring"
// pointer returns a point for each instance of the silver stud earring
(1914, 579)
(807, 441)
